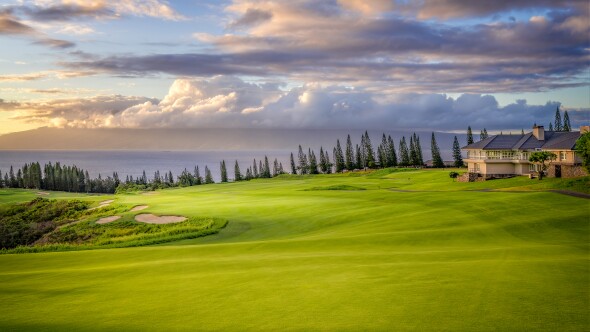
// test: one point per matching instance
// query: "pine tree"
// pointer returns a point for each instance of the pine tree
(404, 153)
(303, 164)
(370, 153)
(328, 163)
(208, 176)
(349, 160)
(457, 153)
(382, 155)
(275, 168)
(313, 163)
(566, 122)
(437, 161)
(323, 165)
(237, 173)
(413, 152)
(522, 132)
(255, 169)
(391, 155)
(418, 147)
(266, 168)
(261, 171)
(550, 126)
(485, 133)
(359, 157)
(1, 182)
(558, 124)
(293, 167)
(339, 158)
(198, 177)
(469, 135)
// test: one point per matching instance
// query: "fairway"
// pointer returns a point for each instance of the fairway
(384, 251)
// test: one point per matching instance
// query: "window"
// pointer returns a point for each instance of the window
(534, 167)
(562, 156)
(477, 167)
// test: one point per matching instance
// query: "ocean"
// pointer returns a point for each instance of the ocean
(135, 162)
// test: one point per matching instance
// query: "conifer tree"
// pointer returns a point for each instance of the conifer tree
(382, 155)
(550, 126)
(349, 157)
(313, 163)
(369, 152)
(404, 153)
(1, 182)
(418, 147)
(237, 173)
(208, 176)
(558, 124)
(381, 159)
(457, 153)
(266, 168)
(414, 160)
(261, 171)
(566, 122)
(359, 157)
(255, 169)
(293, 167)
(485, 133)
(248, 174)
(328, 163)
(339, 158)
(391, 155)
(303, 164)
(437, 161)
(469, 135)
(275, 168)
(522, 132)
(323, 165)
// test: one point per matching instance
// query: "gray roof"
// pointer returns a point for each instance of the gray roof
(554, 140)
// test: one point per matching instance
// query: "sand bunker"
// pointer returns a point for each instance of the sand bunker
(107, 219)
(153, 219)
(139, 208)
(102, 204)
(42, 193)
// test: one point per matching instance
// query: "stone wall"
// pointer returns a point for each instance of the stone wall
(567, 171)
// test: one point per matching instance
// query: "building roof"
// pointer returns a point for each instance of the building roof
(554, 140)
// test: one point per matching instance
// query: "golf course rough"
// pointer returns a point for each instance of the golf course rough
(414, 251)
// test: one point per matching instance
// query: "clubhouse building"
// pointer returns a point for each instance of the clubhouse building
(501, 156)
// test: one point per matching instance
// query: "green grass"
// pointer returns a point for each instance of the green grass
(414, 251)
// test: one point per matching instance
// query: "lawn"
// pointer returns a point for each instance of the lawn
(387, 250)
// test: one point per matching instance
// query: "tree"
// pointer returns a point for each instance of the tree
(418, 147)
(469, 135)
(567, 126)
(550, 126)
(349, 160)
(328, 163)
(237, 173)
(266, 168)
(323, 164)
(483, 134)
(558, 124)
(436, 158)
(293, 167)
(404, 153)
(370, 153)
(359, 157)
(197, 175)
(583, 149)
(313, 163)
(522, 132)
(413, 152)
(391, 155)
(303, 165)
(208, 176)
(457, 153)
(339, 158)
(540, 158)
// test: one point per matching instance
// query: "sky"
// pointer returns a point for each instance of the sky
(437, 65)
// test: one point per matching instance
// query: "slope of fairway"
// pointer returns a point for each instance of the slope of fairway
(412, 251)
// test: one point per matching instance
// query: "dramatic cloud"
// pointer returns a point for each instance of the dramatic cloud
(55, 74)
(10, 25)
(229, 102)
(65, 10)
(325, 41)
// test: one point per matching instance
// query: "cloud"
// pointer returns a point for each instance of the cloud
(59, 74)
(66, 10)
(334, 42)
(10, 25)
(229, 102)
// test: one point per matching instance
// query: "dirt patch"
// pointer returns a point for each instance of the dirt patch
(150, 193)
(106, 220)
(42, 193)
(153, 219)
(139, 208)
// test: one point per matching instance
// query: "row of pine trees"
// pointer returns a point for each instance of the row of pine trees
(353, 157)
